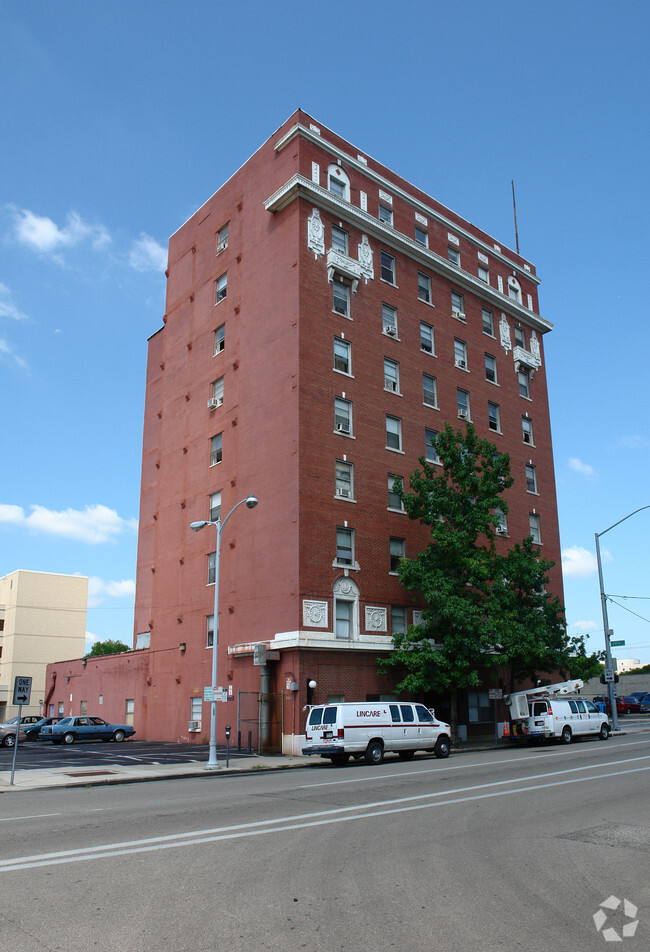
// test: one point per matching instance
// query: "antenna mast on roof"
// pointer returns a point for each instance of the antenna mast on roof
(514, 208)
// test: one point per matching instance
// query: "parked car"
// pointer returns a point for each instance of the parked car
(84, 728)
(8, 729)
(645, 704)
(638, 694)
(32, 730)
(631, 704)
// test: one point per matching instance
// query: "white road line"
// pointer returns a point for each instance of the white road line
(300, 821)
(30, 816)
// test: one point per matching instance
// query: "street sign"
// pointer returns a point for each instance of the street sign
(207, 694)
(22, 690)
(495, 694)
(219, 694)
(617, 644)
(609, 675)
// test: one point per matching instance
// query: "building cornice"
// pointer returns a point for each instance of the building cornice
(421, 207)
(298, 186)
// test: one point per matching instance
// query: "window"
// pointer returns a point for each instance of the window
(340, 297)
(424, 287)
(531, 478)
(457, 305)
(220, 338)
(520, 337)
(217, 393)
(453, 254)
(394, 498)
(338, 183)
(389, 319)
(212, 567)
(421, 236)
(215, 506)
(391, 375)
(387, 268)
(490, 368)
(426, 338)
(527, 430)
(431, 452)
(342, 356)
(385, 214)
(83, 709)
(222, 288)
(209, 631)
(196, 707)
(462, 402)
(478, 705)
(393, 433)
(494, 417)
(397, 552)
(339, 240)
(534, 526)
(398, 627)
(429, 391)
(501, 522)
(215, 449)
(524, 384)
(345, 546)
(344, 479)
(343, 619)
(514, 289)
(342, 415)
(460, 354)
(488, 321)
(222, 239)
(483, 274)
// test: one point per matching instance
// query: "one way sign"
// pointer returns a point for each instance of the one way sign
(22, 690)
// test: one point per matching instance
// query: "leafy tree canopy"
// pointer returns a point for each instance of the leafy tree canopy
(107, 647)
(484, 608)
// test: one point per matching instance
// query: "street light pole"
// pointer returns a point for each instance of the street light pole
(603, 604)
(251, 502)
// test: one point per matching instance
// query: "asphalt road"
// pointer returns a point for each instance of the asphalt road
(39, 755)
(500, 850)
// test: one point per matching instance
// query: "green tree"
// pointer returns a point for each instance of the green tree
(107, 647)
(484, 609)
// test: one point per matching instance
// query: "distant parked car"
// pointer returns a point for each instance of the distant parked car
(8, 729)
(70, 729)
(32, 730)
(638, 694)
(645, 704)
(631, 704)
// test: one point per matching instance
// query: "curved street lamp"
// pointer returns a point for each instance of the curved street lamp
(251, 502)
(603, 603)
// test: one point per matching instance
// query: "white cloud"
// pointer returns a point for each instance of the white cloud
(586, 626)
(95, 524)
(42, 234)
(578, 562)
(147, 255)
(7, 307)
(636, 442)
(583, 468)
(100, 589)
(6, 350)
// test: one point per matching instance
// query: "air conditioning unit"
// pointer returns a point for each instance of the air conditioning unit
(461, 364)
(214, 402)
(343, 492)
(459, 315)
(194, 726)
(501, 530)
(463, 414)
(343, 427)
(223, 244)
(390, 330)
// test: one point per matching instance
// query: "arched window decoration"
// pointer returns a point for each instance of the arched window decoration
(346, 610)
(338, 182)
(514, 289)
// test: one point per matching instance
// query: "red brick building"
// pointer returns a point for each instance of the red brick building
(323, 318)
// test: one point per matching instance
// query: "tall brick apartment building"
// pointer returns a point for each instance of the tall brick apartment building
(324, 318)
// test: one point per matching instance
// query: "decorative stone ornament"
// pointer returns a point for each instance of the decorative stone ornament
(376, 619)
(315, 233)
(504, 331)
(314, 614)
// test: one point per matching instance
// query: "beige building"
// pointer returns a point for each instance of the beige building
(42, 619)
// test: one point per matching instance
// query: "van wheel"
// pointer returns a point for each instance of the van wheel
(566, 735)
(442, 747)
(374, 752)
(603, 733)
(340, 760)
(406, 754)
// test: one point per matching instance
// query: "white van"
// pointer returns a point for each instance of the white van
(540, 713)
(370, 729)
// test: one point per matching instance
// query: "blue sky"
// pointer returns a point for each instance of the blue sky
(120, 119)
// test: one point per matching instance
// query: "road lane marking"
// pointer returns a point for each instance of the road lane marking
(300, 821)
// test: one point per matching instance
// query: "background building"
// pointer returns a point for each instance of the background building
(42, 620)
(324, 318)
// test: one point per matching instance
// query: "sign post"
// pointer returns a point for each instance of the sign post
(495, 694)
(22, 694)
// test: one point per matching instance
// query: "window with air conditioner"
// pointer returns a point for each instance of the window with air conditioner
(457, 305)
(196, 708)
(389, 320)
(460, 354)
(462, 402)
(344, 479)
(216, 400)
(342, 416)
(391, 375)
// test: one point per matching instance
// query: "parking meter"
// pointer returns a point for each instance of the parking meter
(228, 745)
